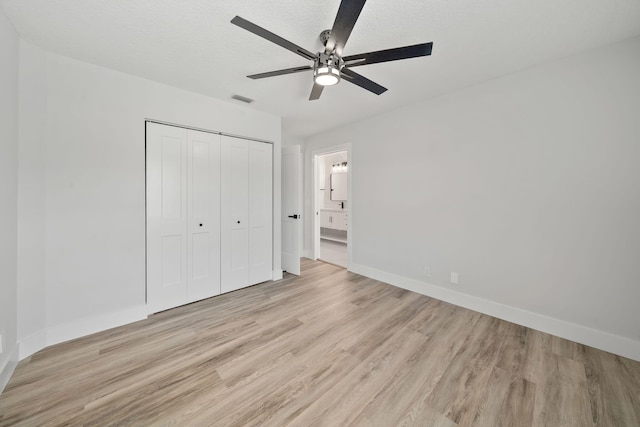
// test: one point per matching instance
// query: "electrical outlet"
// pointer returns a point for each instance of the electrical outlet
(454, 278)
(427, 272)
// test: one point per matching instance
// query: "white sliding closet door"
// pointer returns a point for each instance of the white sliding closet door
(246, 175)
(260, 212)
(166, 216)
(183, 216)
(203, 211)
(235, 213)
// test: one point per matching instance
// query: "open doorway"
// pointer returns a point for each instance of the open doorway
(332, 207)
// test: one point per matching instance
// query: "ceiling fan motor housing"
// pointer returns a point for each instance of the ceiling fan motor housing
(329, 60)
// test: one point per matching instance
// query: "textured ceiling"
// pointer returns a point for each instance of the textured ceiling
(192, 45)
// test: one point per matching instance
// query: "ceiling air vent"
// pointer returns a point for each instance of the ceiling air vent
(242, 99)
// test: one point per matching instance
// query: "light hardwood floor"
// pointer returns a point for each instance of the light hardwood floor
(334, 252)
(328, 348)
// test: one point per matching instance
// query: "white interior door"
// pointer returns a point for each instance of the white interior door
(260, 212)
(166, 216)
(291, 209)
(203, 211)
(235, 213)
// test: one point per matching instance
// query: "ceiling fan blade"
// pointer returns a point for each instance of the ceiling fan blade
(274, 38)
(346, 18)
(363, 82)
(280, 72)
(316, 92)
(386, 55)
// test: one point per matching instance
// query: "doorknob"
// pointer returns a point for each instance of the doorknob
(293, 216)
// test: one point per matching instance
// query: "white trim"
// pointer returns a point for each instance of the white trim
(216, 132)
(90, 325)
(67, 331)
(592, 337)
(33, 343)
(277, 275)
(9, 367)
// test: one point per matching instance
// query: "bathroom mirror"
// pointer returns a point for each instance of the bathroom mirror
(339, 186)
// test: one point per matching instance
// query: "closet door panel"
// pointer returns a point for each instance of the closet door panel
(203, 185)
(235, 207)
(172, 264)
(166, 216)
(260, 212)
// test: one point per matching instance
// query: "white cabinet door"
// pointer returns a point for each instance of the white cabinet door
(333, 220)
(203, 210)
(325, 219)
(235, 213)
(338, 221)
(166, 216)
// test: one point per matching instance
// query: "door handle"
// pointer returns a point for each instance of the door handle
(293, 216)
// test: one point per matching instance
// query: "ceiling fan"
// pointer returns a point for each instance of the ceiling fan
(329, 67)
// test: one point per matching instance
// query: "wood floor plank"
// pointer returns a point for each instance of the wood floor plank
(345, 404)
(510, 401)
(562, 396)
(327, 348)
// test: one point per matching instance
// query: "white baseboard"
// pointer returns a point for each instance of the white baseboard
(592, 337)
(9, 366)
(89, 325)
(33, 343)
(65, 332)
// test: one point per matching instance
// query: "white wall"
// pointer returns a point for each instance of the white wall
(94, 171)
(290, 140)
(8, 196)
(528, 186)
(31, 198)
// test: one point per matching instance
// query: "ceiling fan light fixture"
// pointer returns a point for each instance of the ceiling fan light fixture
(327, 75)
(326, 70)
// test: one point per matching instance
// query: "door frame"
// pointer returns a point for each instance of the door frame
(315, 247)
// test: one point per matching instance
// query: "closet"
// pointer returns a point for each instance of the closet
(209, 214)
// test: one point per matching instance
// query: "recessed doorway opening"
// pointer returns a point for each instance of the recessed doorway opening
(332, 207)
